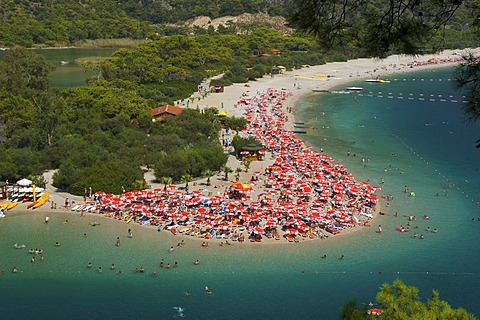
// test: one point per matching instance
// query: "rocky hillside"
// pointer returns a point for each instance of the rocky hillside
(243, 23)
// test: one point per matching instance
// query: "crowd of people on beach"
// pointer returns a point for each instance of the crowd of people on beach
(303, 194)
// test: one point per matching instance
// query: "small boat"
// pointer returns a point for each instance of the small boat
(299, 131)
(18, 246)
(63, 62)
(129, 219)
(41, 201)
(377, 80)
(30, 205)
(12, 205)
(354, 89)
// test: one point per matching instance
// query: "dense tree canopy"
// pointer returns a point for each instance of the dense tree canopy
(51, 22)
(97, 136)
(170, 68)
(400, 301)
(64, 22)
(381, 27)
(84, 131)
(377, 26)
(106, 126)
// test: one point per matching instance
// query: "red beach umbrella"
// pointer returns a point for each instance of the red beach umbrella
(258, 230)
(292, 231)
(271, 223)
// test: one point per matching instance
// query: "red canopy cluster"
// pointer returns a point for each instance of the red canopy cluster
(304, 192)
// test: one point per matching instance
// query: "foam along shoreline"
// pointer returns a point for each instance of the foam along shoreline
(291, 85)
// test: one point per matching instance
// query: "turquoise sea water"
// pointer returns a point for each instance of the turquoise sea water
(422, 144)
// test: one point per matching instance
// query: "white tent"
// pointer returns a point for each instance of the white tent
(24, 182)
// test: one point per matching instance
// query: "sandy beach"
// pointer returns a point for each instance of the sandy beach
(274, 279)
(294, 83)
(327, 76)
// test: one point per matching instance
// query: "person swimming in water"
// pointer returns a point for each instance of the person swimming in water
(180, 312)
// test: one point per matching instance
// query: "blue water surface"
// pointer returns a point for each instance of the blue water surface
(422, 143)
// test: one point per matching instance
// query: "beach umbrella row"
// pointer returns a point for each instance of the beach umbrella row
(299, 186)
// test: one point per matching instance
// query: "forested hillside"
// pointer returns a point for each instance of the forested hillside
(50, 22)
(53, 23)
(84, 131)
(33, 23)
